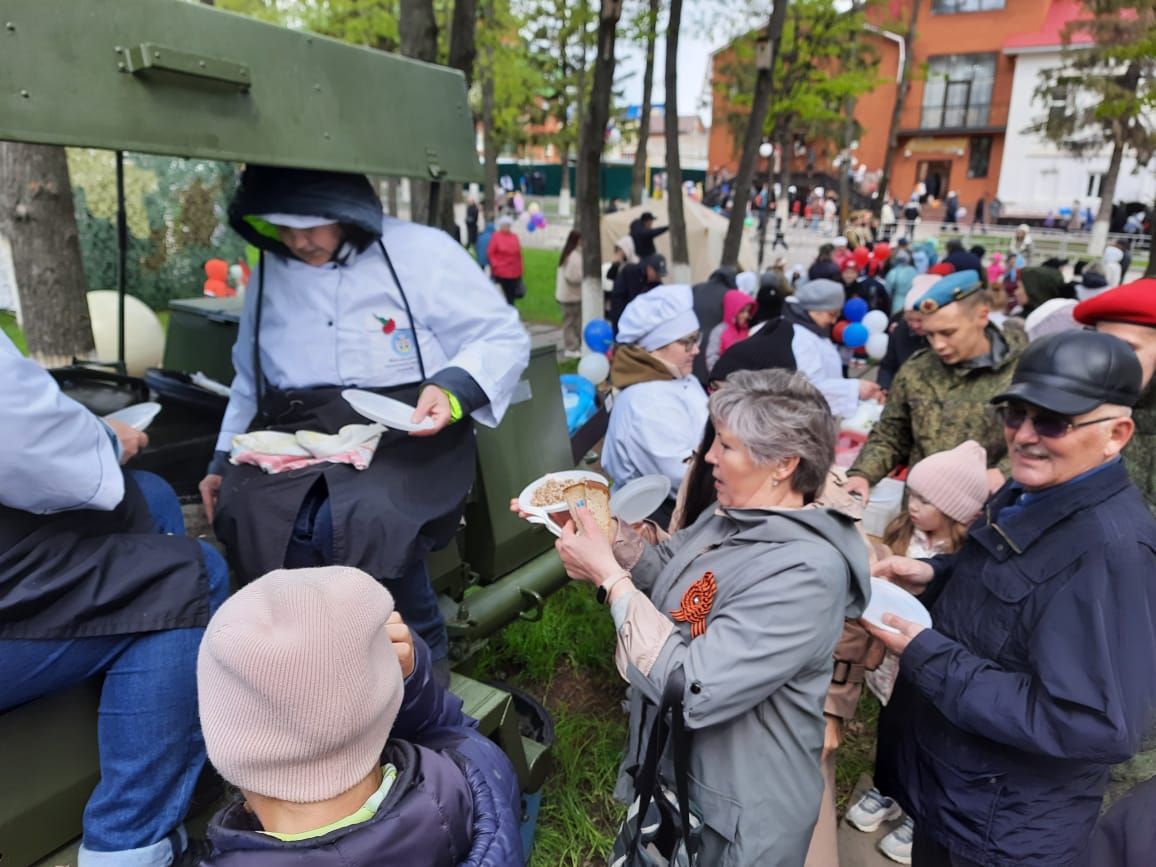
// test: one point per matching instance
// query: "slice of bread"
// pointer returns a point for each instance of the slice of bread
(595, 496)
(598, 502)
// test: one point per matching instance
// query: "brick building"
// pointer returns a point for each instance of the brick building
(955, 120)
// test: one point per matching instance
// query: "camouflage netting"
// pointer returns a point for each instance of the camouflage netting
(176, 221)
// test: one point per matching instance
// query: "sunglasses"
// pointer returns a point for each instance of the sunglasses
(1047, 424)
(690, 341)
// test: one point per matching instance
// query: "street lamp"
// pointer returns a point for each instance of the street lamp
(765, 151)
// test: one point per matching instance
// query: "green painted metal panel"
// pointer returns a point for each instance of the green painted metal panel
(179, 78)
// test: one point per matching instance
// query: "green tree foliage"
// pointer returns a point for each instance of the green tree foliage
(821, 63)
(1103, 95)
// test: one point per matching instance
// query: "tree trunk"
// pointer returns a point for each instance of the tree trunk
(490, 145)
(418, 30)
(37, 217)
(391, 196)
(1099, 238)
(753, 138)
(679, 254)
(847, 163)
(638, 176)
(787, 150)
(897, 108)
(1150, 271)
(463, 38)
(590, 161)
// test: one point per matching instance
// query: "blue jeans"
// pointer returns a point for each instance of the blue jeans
(311, 545)
(151, 750)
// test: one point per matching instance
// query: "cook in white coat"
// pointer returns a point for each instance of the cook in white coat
(344, 297)
(661, 412)
(813, 310)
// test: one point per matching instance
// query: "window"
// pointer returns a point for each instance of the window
(957, 94)
(979, 157)
(948, 7)
(1095, 184)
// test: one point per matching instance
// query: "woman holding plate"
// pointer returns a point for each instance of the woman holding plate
(344, 297)
(748, 602)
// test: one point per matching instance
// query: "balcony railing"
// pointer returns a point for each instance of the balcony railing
(969, 117)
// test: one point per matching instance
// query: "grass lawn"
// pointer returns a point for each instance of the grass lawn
(9, 326)
(539, 270)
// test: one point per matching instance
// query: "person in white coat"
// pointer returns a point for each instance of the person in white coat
(344, 297)
(813, 310)
(661, 411)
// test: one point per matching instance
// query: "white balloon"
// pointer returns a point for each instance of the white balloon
(144, 337)
(876, 322)
(877, 345)
(594, 367)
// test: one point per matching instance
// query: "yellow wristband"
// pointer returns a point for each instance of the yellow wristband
(455, 406)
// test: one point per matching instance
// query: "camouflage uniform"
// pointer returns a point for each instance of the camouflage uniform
(1140, 454)
(932, 407)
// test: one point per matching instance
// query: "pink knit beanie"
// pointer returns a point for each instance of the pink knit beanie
(954, 481)
(299, 684)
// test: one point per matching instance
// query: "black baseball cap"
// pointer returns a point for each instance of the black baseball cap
(646, 215)
(1074, 372)
(656, 261)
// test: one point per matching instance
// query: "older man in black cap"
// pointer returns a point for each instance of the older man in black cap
(1040, 669)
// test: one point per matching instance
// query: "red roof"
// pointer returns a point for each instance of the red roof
(1060, 13)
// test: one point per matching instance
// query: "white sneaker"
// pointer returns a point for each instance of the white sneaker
(872, 810)
(897, 844)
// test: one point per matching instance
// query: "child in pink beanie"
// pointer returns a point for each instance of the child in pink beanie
(945, 494)
(320, 706)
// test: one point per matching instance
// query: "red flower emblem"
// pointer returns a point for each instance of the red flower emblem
(696, 604)
(388, 326)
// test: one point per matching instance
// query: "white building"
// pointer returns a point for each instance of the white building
(1037, 177)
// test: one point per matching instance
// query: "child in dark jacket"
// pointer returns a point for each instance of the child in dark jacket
(318, 703)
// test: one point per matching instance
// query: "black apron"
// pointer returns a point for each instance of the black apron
(87, 573)
(406, 503)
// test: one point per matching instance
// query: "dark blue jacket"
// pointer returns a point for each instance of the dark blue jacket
(455, 800)
(1040, 672)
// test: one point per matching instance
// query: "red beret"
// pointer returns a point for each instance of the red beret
(942, 269)
(1133, 302)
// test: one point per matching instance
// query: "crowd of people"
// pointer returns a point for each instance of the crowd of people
(1023, 421)
(1017, 406)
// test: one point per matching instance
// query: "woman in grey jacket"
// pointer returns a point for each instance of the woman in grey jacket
(750, 601)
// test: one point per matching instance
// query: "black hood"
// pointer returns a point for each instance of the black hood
(339, 196)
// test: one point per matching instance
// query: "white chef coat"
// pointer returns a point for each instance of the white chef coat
(817, 359)
(57, 455)
(346, 325)
(653, 429)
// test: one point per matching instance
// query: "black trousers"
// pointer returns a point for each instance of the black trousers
(926, 852)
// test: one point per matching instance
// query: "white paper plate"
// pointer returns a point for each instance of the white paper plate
(384, 410)
(540, 514)
(888, 598)
(138, 416)
(638, 499)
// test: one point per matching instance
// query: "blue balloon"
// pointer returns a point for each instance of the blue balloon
(855, 309)
(856, 334)
(599, 335)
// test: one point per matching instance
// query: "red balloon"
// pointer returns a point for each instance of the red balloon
(217, 269)
(882, 252)
(862, 256)
(219, 289)
(837, 331)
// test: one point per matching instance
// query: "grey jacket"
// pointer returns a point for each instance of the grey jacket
(757, 677)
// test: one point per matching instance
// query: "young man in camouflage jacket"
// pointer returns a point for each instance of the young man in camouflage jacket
(940, 396)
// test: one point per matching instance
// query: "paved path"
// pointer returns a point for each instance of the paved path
(857, 849)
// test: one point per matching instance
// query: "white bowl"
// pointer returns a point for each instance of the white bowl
(384, 410)
(541, 514)
(888, 598)
(138, 416)
(636, 500)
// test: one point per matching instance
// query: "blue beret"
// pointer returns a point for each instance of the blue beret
(953, 287)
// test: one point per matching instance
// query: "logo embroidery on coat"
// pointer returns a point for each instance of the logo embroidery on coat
(388, 326)
(696, 604)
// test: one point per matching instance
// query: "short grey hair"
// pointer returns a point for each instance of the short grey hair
(777, 414)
